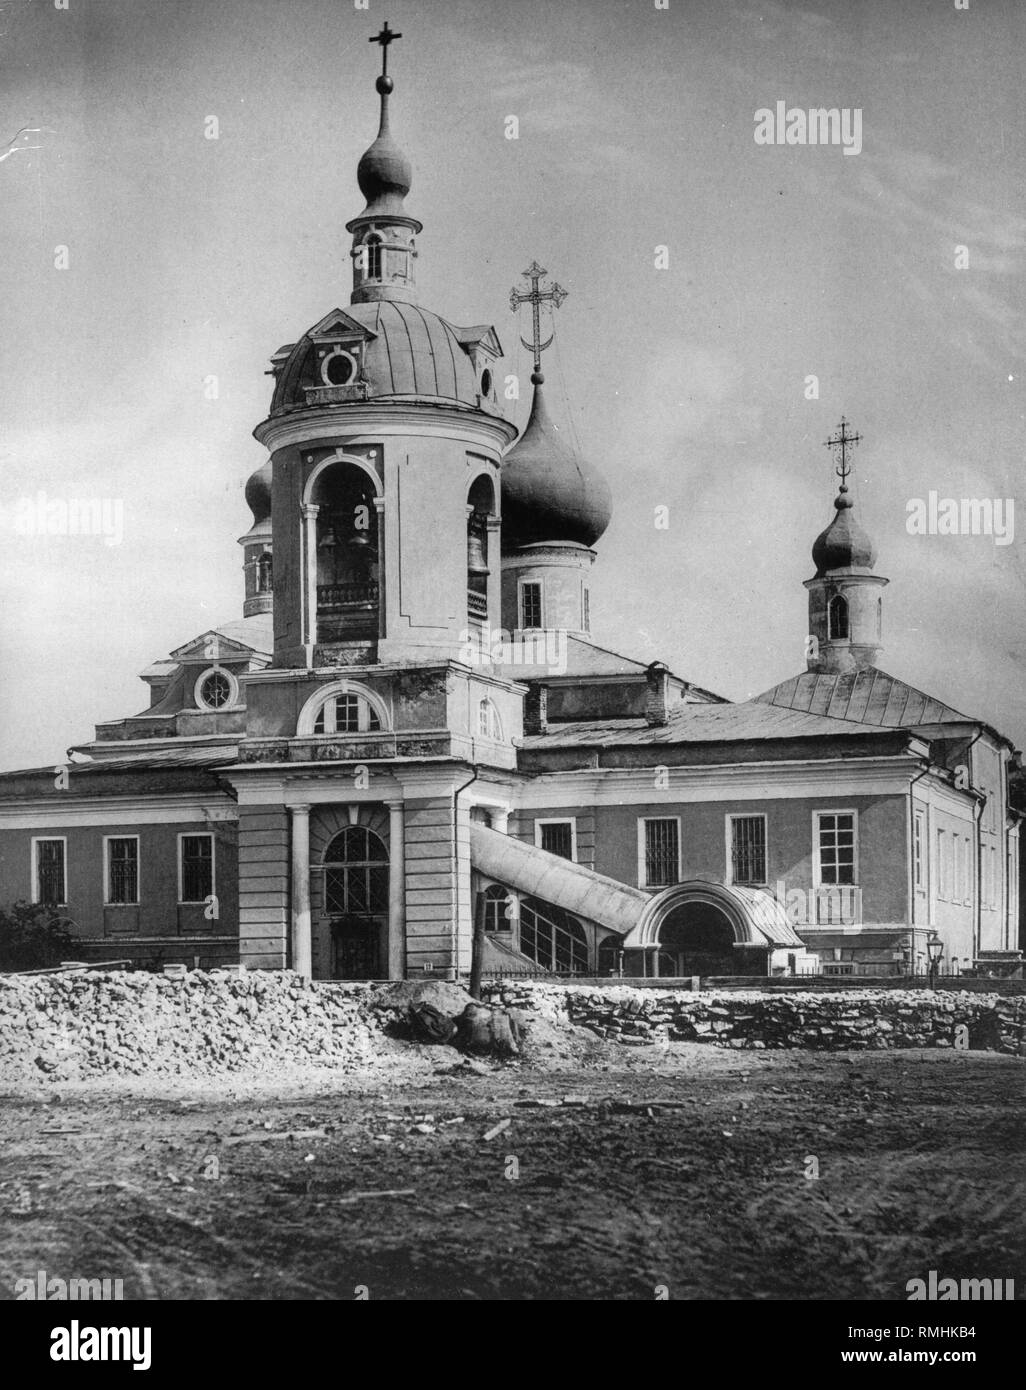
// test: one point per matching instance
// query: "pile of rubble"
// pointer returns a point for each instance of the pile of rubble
(76, 1026)
(870, 1019)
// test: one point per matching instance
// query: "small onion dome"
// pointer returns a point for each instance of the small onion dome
(258, 493)
(843, 545)
(548, 492)
(384, 173)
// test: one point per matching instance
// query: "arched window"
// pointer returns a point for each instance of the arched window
(494, 905)
(552, 938)
(373, 245)
(488, 725)
(838, 617)
(346, 714)
(264, 573)
(356, 874)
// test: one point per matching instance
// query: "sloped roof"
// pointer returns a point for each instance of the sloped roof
(587, 658)
(699, 723)
(870, 696)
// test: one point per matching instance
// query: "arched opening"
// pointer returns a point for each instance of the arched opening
(610, 957)
(697, 938)
(347, 554)
(837, 613)
(552, 938)
(480, 506)
(374, 254)
(264, 573)
(356, 899)
(496, 908)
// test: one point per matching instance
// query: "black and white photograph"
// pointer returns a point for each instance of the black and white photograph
(513, 649)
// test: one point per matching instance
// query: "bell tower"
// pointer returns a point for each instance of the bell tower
(845, 598)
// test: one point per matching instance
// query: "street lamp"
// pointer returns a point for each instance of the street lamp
(935, 949)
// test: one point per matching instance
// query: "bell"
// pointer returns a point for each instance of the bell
(477, 559)
(360, 539)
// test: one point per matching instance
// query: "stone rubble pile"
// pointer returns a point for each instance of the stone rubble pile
(750, 1019)
(78, 1026)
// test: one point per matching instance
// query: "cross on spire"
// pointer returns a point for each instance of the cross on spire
(386, 37)
(842, 444)
(536, 297)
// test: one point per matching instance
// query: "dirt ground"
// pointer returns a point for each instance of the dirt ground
(398, 1191)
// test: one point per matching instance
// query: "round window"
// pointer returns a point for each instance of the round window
(338, 369)
(215, 690)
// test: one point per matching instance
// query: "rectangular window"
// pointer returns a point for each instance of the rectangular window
(835, 847)
(956, 868)
(943, 879)
(970, 886)
(747, 849)
(659, 852)
(918, 865)
(530, 605)
(122, 868)
(195, 868)
(48, 873)
(587, 610)
(557, 837)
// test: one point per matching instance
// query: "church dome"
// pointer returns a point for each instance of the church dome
(258, 493)
(844, 545)
(549, 493)
(408, 352)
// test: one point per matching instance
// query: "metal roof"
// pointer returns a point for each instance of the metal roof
(699, 723)
(870, 696)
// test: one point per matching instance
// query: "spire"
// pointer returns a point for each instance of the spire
(383, 234)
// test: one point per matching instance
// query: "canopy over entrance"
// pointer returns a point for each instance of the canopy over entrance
(755, 916)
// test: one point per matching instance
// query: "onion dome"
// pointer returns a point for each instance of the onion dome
(549, 493)
(258, 493)
(844, 545)
(384, 173)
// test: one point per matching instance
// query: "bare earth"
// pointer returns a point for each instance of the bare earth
(920, 1160)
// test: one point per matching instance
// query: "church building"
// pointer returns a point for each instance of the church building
(410, 733)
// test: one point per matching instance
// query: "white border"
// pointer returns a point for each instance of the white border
(308, 714)
(817, 881)
(106, 871)
(559, 820)
(195, 835)
(330, 356)
(34, 893)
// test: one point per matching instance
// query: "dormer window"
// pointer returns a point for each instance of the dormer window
(837, 614)
(216, 689)
(338, 368)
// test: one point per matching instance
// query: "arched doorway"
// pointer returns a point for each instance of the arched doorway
(697, 938)
(356, 901)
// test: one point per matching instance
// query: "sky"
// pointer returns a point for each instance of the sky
(683, 375)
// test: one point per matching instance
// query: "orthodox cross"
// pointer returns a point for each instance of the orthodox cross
(842, 444)
(386, 37)
(536, 297)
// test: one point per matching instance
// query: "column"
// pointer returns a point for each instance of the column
(383, 585)
(301, 947)
(310, 579)
(396, 891)
(500, 819)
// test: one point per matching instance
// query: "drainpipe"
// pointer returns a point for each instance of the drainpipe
(455, 928)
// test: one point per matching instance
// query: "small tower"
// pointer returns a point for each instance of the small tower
(555, 506)
(384, 234)
(845, 602)
(257, 546)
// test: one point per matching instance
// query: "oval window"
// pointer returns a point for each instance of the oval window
(338, 369)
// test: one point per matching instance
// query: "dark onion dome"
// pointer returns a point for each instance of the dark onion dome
(410, 352)
(843, 545)
(548, 492)
(384, 173)
(258, 493)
